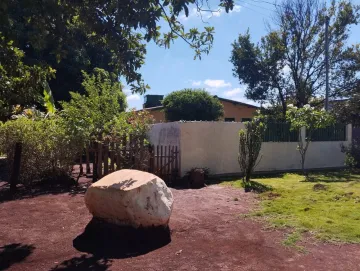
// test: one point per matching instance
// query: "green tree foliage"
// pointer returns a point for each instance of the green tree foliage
(309, 118)
(287, 65)
(191, 105)
(90, 115)
(348, 111)
(20, 84)
(72, 36)
(250, 141)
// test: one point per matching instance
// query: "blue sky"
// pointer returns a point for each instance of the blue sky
(167, 70)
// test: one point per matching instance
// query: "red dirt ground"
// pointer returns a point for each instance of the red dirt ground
(207, 233)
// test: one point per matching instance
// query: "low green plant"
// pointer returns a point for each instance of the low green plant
(352, 152)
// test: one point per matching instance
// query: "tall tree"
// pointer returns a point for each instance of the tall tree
(79, 35)
(288, 65)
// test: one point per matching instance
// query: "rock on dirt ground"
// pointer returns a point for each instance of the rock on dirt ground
(206, 231)
(131, 197)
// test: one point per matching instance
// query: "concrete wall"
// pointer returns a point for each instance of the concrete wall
(215, 145)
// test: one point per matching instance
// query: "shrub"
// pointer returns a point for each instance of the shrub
(250, 141)
(352, 153)
(191, 105)
(91, 116)
(48, 149)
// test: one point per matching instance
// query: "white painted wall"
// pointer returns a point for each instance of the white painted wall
(215, 145)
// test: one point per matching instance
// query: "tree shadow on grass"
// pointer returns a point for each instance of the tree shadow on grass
(257, 187)
(110, 241)
(84, 262)
(332, 177)
(14, 253)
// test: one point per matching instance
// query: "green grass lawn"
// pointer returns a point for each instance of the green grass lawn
(328, 205)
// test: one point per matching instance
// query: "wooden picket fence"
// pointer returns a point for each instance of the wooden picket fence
(102, 159)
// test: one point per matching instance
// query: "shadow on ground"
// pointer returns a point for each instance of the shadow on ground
(14, 253)
(39, 190)
(332, 177)
(110, 241)
(84, 262)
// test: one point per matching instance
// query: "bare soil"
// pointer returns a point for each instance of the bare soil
(52, 230)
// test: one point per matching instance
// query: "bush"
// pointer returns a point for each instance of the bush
(192, 105)
(92, 115)
(352, 153)
(48, 149)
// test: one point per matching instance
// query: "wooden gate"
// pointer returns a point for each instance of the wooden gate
(165, 162)
(104, 158)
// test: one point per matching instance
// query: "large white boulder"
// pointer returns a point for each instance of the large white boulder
(130, 197)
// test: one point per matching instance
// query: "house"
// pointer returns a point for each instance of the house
(233, 110)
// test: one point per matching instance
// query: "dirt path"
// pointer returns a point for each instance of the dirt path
(207, 233)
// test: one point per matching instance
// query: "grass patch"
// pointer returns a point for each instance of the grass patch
(327, 204)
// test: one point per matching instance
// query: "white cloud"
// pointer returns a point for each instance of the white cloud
(196, 83)
(236, 8)
(221, 11)
(192, 13)
(233, 92)
(127, 91)
(216, 83)
(133, 97)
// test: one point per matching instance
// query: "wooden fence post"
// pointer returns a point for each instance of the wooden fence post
(14, 178)
(95, 167)
(87, 160)
(99, 160)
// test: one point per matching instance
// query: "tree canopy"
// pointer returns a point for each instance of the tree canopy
(287, 65)
(71, 36)
(191, 105)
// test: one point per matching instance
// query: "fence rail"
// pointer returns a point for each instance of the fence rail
(279, 132)
(332, 133)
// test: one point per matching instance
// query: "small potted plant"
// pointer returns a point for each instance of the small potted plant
(197, 177)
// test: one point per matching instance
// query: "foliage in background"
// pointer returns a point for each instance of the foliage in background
(348, 111)
(91, 115)
(192, 105)
(309, 118)
(72, 36)
(20, 84)
(352, 152)
(250, 141)
(48, 149)
(287, 65)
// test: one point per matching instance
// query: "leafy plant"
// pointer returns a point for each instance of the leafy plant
(91, 115)
(352, 153)
(48, 149)
(250, 141)
(309, 118)
(191, 105)
(20, 84)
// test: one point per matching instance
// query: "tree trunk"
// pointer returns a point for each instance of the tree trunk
(14, 178)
